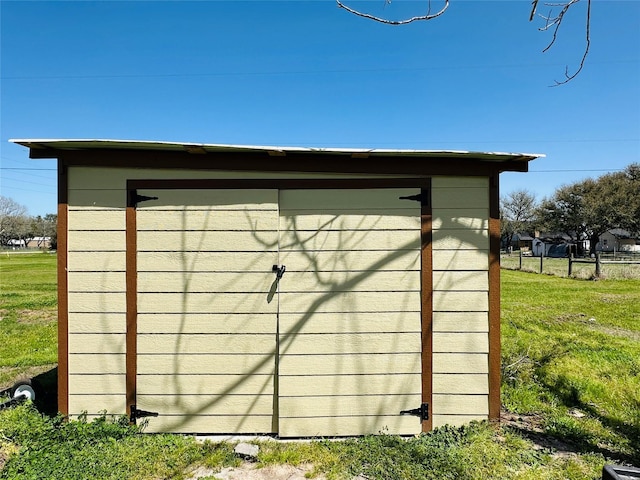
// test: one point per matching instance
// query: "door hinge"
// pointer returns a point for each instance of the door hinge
(135, 199)
(421, 197)
(422, 411)
(136, 413)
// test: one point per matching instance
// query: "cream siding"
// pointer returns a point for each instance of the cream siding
(460, 299)
(350, 261)
(207, 315)
(345, 425)
(365, 363)
(349, 312)
(193, 422)
(356, 322)
(349, 303)
(97, 308)
(95, 405)
(216, 364)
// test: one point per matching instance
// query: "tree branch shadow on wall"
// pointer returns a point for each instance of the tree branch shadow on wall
(332, 289)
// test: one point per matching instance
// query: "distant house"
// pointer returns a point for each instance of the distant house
(618, 240)
(34, 242)
(17, 243)
(39, 242)
(558, 244)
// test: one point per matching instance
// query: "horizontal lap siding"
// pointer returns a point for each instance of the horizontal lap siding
(349, 364)
(350, 350)
(206, 330)
(381, 238)
(460, 299)
(97, 308)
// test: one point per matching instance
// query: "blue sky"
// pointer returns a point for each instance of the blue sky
(306, 73)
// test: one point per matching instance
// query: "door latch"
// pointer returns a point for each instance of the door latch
(279, 271)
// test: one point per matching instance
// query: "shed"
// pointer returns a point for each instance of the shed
(295, 292)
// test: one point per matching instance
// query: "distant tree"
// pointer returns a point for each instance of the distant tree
(552, 23)
(565, 211)
(16, 224)
(589, 208)
(46, 227)
(13, 217)
(51, 222)
(517, 213)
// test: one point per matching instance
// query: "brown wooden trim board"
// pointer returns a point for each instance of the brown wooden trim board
(63, 300)
(426, 289)
(494, 298)
(279, 184)
(292, 162)
(131, 279)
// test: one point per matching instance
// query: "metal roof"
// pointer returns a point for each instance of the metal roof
(95, 144)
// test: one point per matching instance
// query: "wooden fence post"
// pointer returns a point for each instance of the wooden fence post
(570, 264)
(520, 260)
(598, 266)
(541, 261)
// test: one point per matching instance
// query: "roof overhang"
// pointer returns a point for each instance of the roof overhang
(209, 154)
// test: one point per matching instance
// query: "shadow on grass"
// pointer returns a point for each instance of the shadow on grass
(570, 396)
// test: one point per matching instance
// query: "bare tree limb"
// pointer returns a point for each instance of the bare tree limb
(428, 16)
(552, 23)
(555, 23)
(534, 6)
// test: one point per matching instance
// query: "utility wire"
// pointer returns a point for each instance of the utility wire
(295, 72)
(33, 169)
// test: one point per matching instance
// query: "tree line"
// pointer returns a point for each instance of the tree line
(18, 227)
(583, 210)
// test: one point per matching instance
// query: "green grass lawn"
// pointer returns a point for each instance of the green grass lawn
(571, 358)
(28, 324)
(571, 398)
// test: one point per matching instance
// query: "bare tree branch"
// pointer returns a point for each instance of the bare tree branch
(552, 23)
(555, 22)
(534, 6)
(428, 16)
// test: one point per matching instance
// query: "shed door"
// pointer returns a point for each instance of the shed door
(350, 312)
(333, 348)
(206, 324)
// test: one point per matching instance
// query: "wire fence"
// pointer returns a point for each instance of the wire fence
(619, 265)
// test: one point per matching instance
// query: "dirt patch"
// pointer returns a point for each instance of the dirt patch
(530, 423)
(615, 297)
(249, 471)
(592, 324)
(573, 317)
(530, 427)
(618, 332)
(32, 317)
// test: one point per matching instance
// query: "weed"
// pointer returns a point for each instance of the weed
(106, 448)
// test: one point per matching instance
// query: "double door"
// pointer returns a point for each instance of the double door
(291, 312)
